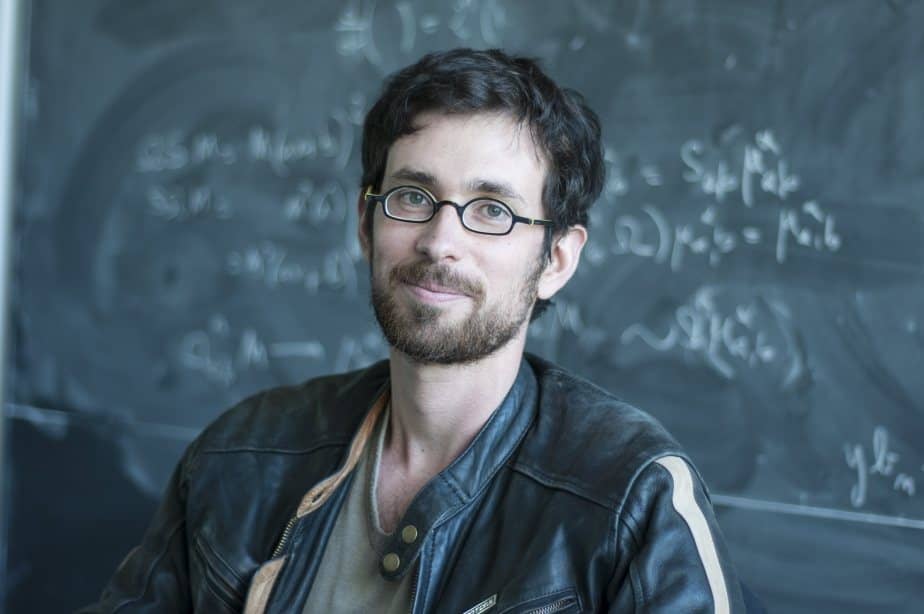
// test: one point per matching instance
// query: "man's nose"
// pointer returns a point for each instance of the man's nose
(443, 235)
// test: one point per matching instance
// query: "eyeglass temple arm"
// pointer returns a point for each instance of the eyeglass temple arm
(532, 222)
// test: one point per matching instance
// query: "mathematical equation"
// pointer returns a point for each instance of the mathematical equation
(762, 170)
(335, 141)
(742, 169)
(565, 316)
(180, 203)
(363, 30)
(618, 179)
(221, 354)
(756, 333)
(723, 339)
(320, 206)
(878, 463)
(275, 267)
(653, 236)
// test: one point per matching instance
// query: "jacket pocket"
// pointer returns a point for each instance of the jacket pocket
(220, 583)
(559, 602)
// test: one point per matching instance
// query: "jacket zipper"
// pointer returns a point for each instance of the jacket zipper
(285, 537)
(555, 606)
(414, 587)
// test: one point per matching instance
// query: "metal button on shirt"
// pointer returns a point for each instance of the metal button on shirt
(391, 562)
(409, 534)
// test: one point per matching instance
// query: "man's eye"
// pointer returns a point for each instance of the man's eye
(492, 211)
(413, 198)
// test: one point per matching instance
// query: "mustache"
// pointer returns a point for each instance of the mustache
(418, 273)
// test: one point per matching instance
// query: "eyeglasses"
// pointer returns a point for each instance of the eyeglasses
(485, 216)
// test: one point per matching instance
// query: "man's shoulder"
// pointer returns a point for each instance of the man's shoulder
(587, 440)
(319, 411)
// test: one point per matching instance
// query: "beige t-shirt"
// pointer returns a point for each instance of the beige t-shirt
(348, 579)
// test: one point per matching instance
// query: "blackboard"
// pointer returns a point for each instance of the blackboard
(185, 236)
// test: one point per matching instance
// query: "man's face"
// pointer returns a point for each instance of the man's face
(441, 293)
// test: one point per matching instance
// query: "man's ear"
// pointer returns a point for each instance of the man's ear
(565, 256)
(365, 241)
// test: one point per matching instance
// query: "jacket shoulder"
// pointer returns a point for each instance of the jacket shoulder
(298, 417)
(587, 440)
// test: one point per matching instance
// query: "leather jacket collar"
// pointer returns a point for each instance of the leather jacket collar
(465, 477)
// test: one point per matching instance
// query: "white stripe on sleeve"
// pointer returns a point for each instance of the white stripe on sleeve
(685, 503)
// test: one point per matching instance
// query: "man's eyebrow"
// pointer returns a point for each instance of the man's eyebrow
(481, 186)
(496, 188)
(410, 174)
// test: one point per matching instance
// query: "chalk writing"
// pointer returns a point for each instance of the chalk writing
(881, 464)
(334, 140)
(811, 227)
(356, 352)
(653, 236)
(723, 340)
(221, 356)
(280, 150)
(363, 30)
(319, 206)
(489, 14)
(729, 172)
(178, 204)
(619, 177)
(355, 32)
(758, 170)
(761, 168)
(170, 151)
(719, 181)
(565, 316)
(798, 371)
(273, 265)
(616, 182)
(856, 459)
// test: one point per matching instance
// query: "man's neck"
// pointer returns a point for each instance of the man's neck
(436, 410)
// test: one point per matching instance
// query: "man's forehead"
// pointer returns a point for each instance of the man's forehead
(510, 139)
(483, 121)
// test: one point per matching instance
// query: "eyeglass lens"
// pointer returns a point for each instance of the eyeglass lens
(481, 215)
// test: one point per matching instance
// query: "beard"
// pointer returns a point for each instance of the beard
(416, 331)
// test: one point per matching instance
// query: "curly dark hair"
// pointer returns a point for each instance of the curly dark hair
(465, 81)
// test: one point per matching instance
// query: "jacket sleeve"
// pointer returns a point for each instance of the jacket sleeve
(677, 558)
(154, 576)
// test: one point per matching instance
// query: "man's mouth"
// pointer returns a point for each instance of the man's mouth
(436, 284)
(428, 292)
(435, 288)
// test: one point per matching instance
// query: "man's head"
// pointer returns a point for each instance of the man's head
(432, 115)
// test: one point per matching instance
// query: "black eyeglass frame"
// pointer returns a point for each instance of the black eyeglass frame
(460, 209)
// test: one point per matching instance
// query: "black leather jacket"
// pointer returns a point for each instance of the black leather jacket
(567, 500)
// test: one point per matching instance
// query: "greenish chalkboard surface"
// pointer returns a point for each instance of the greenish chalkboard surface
(185, 236)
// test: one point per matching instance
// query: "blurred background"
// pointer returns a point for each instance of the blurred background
(183, 223)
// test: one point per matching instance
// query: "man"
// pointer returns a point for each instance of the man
(459, 475)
